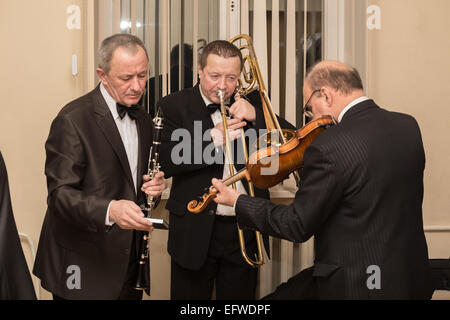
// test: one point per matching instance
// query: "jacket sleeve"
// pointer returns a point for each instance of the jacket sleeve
(65, 169)
(318, 195)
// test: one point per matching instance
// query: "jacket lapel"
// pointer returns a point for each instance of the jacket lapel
(198, 109)
(107, 125)
(144, 141)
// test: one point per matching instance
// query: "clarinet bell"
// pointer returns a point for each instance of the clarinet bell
(143, 279)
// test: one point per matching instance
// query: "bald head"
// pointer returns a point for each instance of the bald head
(336, 75)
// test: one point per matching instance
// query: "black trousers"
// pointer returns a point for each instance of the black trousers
(302, 286)
(127, 292)
(224, 268)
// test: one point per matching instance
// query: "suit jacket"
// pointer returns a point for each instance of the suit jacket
(190, 234)
(86, 168)
(361, 197)
(15, 279)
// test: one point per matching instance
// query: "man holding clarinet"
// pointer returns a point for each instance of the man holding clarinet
(97, 153)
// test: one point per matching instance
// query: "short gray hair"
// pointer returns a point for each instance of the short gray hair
(344, 79)
(110, 44)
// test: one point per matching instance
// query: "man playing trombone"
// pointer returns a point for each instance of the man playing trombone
(205, 248)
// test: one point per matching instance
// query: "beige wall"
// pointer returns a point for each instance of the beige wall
(36, 82)
(408, 71)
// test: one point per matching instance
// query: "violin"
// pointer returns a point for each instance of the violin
(269, 166)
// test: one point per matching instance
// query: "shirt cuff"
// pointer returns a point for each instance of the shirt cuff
(107, 221)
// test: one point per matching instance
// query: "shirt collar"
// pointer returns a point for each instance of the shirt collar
(205, 99)
(112, 104)
(350, 105)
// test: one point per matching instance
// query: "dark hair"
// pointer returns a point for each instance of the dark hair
(110, 44)
(344, 80)
(221, 48)
(187, 54)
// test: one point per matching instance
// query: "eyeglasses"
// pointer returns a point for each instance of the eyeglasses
(306, 108)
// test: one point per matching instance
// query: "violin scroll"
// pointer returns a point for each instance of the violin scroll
(197, 206)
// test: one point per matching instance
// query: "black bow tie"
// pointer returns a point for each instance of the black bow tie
(212, 107)
(132, 111)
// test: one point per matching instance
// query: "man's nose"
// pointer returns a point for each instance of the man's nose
(136, 85)
(222, 84)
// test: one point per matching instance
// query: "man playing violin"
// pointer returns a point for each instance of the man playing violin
(360, 196)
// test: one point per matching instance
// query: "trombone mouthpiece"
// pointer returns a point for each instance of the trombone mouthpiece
(220, 94)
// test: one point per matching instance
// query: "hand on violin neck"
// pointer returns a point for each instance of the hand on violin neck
(225, 195)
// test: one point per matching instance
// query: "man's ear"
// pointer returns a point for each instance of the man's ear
(327, 95)
(200, 71)
(101, 74)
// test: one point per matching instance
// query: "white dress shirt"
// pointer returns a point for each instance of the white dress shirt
(222, 210)
(350, 105)
(128, 132)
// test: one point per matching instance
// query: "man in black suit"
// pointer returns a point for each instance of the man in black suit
(97, 152)
(204, 247)
(360, 196)
(15, 280)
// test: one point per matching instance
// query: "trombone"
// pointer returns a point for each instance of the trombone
(251, 75)
(259, 257)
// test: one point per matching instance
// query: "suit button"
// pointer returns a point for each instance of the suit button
(211, 212)
(127, 252)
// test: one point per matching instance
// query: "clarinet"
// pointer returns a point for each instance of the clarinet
(143, 275)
